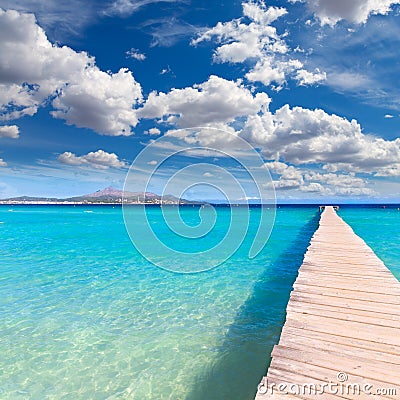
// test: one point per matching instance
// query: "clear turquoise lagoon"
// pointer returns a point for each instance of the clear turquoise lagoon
(84, 316)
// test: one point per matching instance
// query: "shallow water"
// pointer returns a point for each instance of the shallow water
(84, 316)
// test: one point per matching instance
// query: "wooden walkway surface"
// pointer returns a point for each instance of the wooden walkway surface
(342, 326)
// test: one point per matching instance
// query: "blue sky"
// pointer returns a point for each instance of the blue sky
(312, 84)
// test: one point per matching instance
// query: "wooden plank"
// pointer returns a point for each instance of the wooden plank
(321, 374)
(358, 285)
(346, 349)
(343, 316)
(356, 264)
(315, 273)
(347, 294)
(359, 304)
(342, 255)
(355, 285)
(332, 337)
(331, 263)
(348, 328)
(354, 365)
(340, 309)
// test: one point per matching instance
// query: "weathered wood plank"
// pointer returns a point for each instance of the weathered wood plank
(348, 348)
(350, 303)
(345, 315)
(354, 285)
(347, 294)
(316, 273)
(345, 328)
(357, 364)
(317, 374)
(300, 305)
(331, 337)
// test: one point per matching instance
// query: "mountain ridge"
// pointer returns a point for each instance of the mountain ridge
(108, 195)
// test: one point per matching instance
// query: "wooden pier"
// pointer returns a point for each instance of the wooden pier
(341, 338)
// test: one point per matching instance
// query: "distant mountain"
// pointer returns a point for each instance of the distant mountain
(107, 192)
(109, 195)
(113, 192)
(113, 195)
(29, 198)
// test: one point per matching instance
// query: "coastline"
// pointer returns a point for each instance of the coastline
(197, 203)
(47, 203)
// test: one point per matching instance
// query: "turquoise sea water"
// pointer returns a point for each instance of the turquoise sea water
(84, 316)
(380, 228)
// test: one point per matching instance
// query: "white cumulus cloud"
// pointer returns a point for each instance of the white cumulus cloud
(9, 131)
(215, 101)
(135, 54)
(312, 181)
(2, 163)
(258, 41)
(240, 40)
(99, 159)
(296, 136)
(302, 136)
(305, 77)
(152, 132)
(289, 176)
(34, 72)
(100, 101)
(356, 11)
(314, 187)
